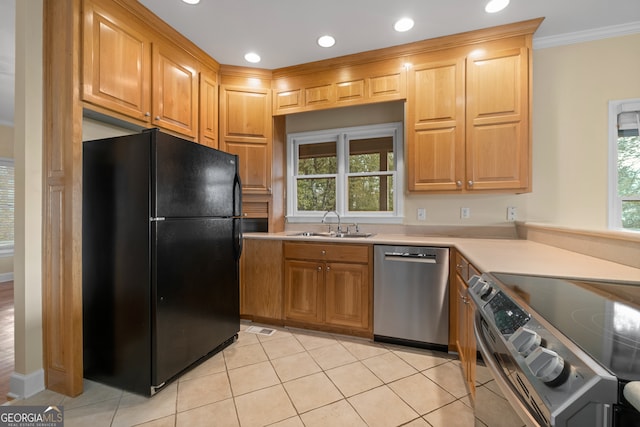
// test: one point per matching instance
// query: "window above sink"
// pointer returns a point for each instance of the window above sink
(355, 171)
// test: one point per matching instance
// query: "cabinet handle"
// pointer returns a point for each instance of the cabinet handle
(458, 183)
(470, 183)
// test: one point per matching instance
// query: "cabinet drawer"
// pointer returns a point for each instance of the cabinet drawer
(327, 252)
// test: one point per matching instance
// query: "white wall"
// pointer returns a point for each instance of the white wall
(571, 89)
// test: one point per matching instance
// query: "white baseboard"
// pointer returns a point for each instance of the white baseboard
(24, 386)
(6, 277)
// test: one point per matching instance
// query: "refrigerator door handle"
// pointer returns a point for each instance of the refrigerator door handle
(237, 232)
(237, 194)
(157, 218)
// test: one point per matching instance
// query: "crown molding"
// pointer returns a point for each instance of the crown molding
(586, 36)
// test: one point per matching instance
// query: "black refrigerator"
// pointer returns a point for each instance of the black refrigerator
(161, 242)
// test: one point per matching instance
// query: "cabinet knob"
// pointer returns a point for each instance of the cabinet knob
(147, 114)
(470, 183)
(458, 183)
(157, 117)
(324, 252)
(319, 268)
(328, 268)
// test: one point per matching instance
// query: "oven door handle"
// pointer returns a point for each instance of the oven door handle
(504, 384)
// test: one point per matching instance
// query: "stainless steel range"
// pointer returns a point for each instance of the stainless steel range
(561, 350)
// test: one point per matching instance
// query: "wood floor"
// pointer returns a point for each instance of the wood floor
(6, 338)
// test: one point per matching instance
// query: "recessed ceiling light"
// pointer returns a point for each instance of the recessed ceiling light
(403, 24)
(496, 6)
(191, 1)
(252, 57)
(326, 41)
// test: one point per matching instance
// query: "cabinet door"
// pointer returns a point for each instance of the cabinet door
(461, 332)
(208, 109)
(471, 350)
(246, 130)
(347, 295)
(303, 288)
(261, 285)
(117, 63)
(175, 90)
(435, 113)
(497, 146)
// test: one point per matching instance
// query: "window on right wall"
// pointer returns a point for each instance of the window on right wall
(624, 165)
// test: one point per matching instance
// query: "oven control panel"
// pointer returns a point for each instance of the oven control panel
(548, 371)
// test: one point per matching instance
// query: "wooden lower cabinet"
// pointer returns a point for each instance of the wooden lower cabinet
(328, 286)
(304, 281)
(261, 280)
(465, 340)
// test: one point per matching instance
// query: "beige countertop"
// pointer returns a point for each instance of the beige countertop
(495, 255)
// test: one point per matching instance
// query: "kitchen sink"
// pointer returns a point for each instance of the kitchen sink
(332, 234)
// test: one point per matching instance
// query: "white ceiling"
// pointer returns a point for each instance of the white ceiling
(284, 32)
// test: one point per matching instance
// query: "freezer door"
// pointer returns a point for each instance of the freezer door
(191, 180)
(195, 291)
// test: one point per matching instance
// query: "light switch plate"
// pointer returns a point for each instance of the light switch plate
(465, 213)
(422, 214)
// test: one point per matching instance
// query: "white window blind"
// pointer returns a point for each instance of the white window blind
(7, 195)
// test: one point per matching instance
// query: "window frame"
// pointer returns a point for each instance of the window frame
(342, 136)
(7, 250)
(615, 202)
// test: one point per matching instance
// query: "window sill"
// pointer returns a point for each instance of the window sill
(345, 220)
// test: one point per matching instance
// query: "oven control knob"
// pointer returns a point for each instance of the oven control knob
(548, 366)
(525, 341)
(481, 288)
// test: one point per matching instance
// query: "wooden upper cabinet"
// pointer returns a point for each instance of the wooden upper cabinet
(117, 63)
(175, 90)
(208, 109)
(246, 130)
(468, 121)
(136, 70)
(498, 120)
(435, 111)
(378, 81)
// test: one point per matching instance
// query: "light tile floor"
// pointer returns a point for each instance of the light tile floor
(293, 378)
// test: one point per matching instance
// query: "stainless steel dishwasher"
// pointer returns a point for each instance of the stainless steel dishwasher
(411, 296)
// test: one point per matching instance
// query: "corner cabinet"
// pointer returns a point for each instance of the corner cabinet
(468, 119)
(328, 286)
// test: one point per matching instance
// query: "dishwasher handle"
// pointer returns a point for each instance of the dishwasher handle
(409, 257)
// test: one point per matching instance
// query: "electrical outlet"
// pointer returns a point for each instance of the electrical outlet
(422, 214)
(465, 213)
(512, 213)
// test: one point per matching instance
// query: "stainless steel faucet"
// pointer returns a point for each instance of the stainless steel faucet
(324, 218)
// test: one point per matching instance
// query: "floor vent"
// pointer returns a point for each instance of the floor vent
(260, 330)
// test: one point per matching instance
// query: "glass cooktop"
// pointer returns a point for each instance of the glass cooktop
(603, 318)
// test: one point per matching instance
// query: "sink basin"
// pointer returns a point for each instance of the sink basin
(332, 234)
